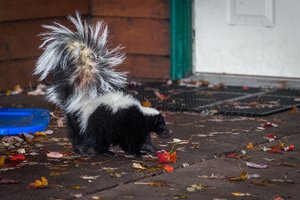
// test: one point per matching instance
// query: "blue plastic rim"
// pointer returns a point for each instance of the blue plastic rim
(14, 121)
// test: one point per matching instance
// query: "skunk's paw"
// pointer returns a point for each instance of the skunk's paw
(84, 153)
(106, 153)
(149, 148)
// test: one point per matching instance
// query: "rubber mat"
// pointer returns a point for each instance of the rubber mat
(230, 100)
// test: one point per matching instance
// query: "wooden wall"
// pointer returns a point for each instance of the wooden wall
(142, 27)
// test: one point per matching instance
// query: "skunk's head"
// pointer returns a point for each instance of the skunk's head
(160, 127)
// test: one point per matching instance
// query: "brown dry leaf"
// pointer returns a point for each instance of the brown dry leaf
(39, 133)
(240, 194)
(250, 146)
(243, 176)
(261, 182)
(294, 109)
(2, 160)
(153, 184)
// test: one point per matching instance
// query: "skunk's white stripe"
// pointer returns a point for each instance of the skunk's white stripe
(113, 101)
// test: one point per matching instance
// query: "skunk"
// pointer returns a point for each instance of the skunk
(116, 119)
(87, 89)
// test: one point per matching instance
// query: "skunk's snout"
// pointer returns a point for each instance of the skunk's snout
(165, 134)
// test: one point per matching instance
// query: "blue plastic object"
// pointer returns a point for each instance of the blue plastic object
(23, 120)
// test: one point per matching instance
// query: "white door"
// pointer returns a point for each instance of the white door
(247, 37)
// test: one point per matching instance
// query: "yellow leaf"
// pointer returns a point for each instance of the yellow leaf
(40, 133)
(2, 160)
(240, 194)
(146, 104)
(250, 146)
(39, 184)
(244, 175)
(281, 145)
(8, 92)
(76, 187)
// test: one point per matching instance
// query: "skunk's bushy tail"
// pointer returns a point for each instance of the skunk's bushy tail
(81, 57)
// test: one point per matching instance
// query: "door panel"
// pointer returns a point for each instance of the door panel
(247, 37)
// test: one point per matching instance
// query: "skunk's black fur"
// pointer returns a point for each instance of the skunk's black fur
(128, 127)
(87, 89)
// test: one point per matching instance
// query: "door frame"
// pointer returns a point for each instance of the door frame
(181, 44)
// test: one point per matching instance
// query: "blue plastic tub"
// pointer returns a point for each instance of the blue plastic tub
(14, 121)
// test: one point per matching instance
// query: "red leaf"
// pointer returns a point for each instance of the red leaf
(269, 125)
(271, 136)
(168, 168)
(290, 148)
(276, 149)
(166, 157)
(161, 96)
(17, 157)
(232, 155)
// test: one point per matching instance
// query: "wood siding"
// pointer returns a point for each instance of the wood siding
(141, 27)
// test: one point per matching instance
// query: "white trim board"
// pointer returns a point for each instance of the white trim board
(251, 81)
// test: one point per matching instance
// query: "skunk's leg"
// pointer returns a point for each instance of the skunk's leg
(74, 134)
(102, 148)
(148, 146)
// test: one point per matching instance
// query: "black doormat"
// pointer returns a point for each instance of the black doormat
(230, 100)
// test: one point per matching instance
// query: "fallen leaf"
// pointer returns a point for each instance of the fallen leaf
(166, 157)
(21, 151)
(54, 154)
(232, 155)
(261, 182)
(2, 160)
(153, 184)
(276, 149)
(137, 166)
(256, 166)
(243, 176)
(268, 159)
(178, 141)
(250, 146)
(77, 195)
(212, 176)
(283, 180)
(289, 148)
(160, 96)
(8, 181)
(89, 177)
(180, 196)
(168, 168)
(240, 194)
(269, 125)
(253, 176)
(39, 133)
(270, 137)
(288, 164)
(185, 164)
(39, 184)
(40, 90)
(17, 90)
(17, 157)
(278, 198)
(196, 187)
